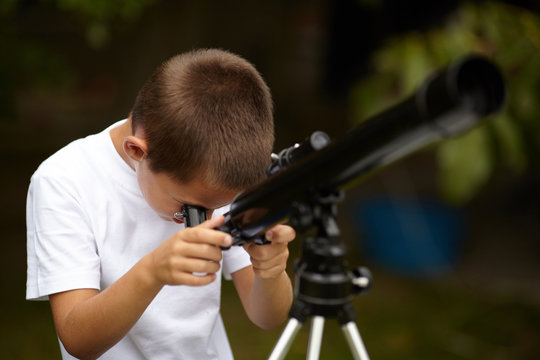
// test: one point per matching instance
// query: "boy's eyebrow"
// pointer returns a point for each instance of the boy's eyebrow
(183, 202)
(192, 204)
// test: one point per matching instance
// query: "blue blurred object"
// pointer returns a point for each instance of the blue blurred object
(410, 236)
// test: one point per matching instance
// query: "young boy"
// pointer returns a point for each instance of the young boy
(124, 278)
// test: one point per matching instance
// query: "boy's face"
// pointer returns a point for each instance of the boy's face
(166, 196)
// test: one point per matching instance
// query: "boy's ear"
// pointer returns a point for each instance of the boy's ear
(135, 148)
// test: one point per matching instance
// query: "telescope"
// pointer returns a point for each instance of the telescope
(448, 103)
(306, 181)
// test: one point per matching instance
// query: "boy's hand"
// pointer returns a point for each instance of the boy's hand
(191, 250)
(270, 260)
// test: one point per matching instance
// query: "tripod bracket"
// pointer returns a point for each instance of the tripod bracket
(324, 286)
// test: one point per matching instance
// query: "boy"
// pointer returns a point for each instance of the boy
(124, 279)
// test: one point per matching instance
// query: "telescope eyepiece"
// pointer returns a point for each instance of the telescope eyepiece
(192, 215)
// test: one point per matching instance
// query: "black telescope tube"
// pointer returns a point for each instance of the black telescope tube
(446, 104)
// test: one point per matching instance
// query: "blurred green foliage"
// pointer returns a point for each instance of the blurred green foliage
(31, 62)
(98, 15)
(510, 36)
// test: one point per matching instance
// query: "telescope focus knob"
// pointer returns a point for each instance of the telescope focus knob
(362, 280)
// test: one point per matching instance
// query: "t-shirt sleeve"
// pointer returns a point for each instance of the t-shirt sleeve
(62, 253)
(234, 259)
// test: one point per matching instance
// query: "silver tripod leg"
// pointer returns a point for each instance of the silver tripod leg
(355, 341)
(315, 338)
(285, 340)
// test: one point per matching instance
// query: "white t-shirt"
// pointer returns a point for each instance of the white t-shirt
(88, 224)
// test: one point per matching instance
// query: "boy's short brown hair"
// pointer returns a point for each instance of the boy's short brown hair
(207, 113)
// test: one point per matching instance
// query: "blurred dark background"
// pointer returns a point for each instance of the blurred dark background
(451, 234)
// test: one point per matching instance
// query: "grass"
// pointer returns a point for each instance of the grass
(414, 318)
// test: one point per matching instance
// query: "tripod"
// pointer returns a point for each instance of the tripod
(323, 286)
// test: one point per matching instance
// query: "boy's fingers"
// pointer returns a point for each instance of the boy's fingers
(213, 222)
(205, 233)
(207, 236)
(281, 234)
(191, 265)
(195, 280)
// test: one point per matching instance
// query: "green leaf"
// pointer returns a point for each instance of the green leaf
(466, 164)
(510, 142)
(416, 60)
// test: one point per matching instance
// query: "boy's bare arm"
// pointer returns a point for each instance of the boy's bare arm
(90, 322)
(265, 288)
